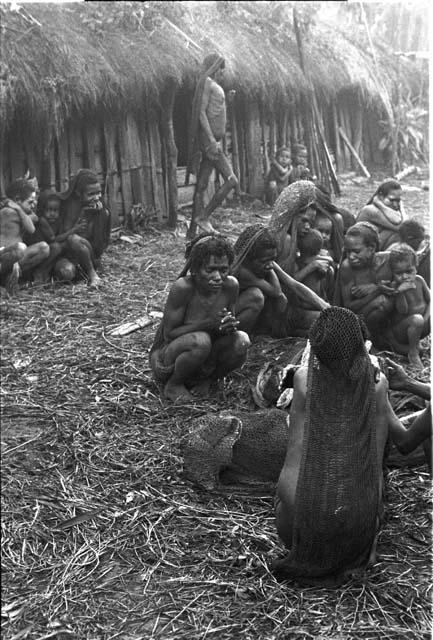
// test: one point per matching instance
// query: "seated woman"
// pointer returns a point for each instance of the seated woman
(198, 338)
(278, 176)
(85, 225)
(411, 317)
(270, 301)
(385, 210)
(329, 494)
(294, 214)
(363, 281)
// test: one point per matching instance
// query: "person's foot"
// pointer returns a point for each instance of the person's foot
(12, 280)
(414, 359)
(202, 388)
(94, 281)
(205, 225)
(177, 392)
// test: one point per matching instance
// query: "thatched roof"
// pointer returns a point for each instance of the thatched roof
(72, 59)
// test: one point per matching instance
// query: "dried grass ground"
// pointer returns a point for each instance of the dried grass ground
(101, 537)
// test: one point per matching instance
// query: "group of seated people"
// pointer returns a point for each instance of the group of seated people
(313, 272)
(276, 280)
(53, 234)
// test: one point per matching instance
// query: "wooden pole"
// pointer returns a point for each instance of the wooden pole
(355, 155)
(235, 145)
(168, 97)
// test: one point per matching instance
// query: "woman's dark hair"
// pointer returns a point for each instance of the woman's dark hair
(203, 246)
(367, 232)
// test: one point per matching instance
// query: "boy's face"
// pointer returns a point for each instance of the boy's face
(91, 196)
(305, 221)
(404, 271)
(358, 253)
(393, 199)
(325, 227)
(261, 265)
(29, 204)
(284, 159)
(211, 275)
(301, 158)
(52, 211)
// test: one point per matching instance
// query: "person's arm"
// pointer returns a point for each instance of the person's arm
(271, 288)
(426, 294)
(282, 171)
(26, 220)
(375, 213)
(204, 122)
(315, 265)
(306, 295)
(46, 230)
(401, 304)
(406, 440)
(399, 380)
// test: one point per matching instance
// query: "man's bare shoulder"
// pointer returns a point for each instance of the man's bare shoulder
(231, 283)
(365, 211)
(9, 212)
(382, 386)
(345, 270)
(182, 288)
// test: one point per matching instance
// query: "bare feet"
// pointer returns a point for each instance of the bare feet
(95, 281)
(12, 281)
(414, 359)
(174, 391)
(205, 225)
(203, 388)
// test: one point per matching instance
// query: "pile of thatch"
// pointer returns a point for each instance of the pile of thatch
(60, 61)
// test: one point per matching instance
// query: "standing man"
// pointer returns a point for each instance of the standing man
(208, 125)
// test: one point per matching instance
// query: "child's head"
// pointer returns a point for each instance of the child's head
(411, 232)
(403, 263)
(283, 156)
(88, 189)
(361, 243)
(23, 192)
(299, 154)
(262, 252)
(49, 206)
(323, 224)
(310, 244)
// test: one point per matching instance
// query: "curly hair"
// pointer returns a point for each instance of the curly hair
(402, 252)
(20, 189)
(411, 229)
(367, 232)
(203, 246)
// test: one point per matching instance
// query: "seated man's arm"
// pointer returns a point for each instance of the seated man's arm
(303, 273)
(175, 310)
(270, 288)
(426, 294)
(306, 295)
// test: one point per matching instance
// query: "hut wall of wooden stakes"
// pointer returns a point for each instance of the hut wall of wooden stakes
(117, 99)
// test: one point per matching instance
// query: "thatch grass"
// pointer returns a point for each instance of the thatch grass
(87, 58)
(101, 536)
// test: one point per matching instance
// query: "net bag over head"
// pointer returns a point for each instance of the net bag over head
(337, 493)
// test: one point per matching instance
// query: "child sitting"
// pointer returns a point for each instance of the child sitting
(323, 224)
(412, 232)
(278, 176)
(47, 230)
(314, 268)
(300, 170)
(412, 304)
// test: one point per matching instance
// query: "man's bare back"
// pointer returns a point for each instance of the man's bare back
(214, 102)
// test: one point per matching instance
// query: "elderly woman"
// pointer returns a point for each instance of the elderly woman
(294, 214)
(385, 211)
